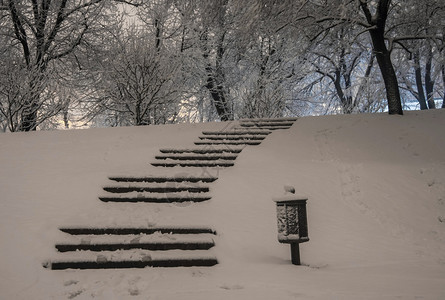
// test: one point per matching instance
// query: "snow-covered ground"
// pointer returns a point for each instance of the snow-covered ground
(376, 211)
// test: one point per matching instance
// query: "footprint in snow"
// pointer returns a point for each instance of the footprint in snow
(317, 266)
(74, 294)
(135, 240)
(232, 287)
(70, 282)
(133, 291)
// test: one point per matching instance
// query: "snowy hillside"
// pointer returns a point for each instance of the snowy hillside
(376, 210)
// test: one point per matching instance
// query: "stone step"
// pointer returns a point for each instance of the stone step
(238, 132)
(244, 142)
(136, 230)
(186, 156)
(276, 127)
(290, 119)
(232, 138)
(167, 198)
(266, 125)
(165, 189)
(193, 163)
(205, 150)
(133, 258)
(113, 243)
(167, 179)
(112, 248)
(253, 129)
(132, 263)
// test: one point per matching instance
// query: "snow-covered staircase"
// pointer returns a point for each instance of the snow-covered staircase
(167, 246)
(268, 124)
(221, 156)
(128, 247)
(158, 189)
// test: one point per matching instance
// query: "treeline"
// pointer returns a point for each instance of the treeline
(134, 62)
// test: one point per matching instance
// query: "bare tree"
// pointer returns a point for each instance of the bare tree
(267, 61)
(376, 26)
(213, 39)
(420, 42)
(344, 59)
(44, 34)
(137, 81)
(15, 91)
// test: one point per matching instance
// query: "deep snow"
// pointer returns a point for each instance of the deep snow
(376, 210)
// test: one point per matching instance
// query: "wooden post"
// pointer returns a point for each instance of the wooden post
(295, 253)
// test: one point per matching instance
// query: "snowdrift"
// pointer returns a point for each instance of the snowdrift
(376, 210)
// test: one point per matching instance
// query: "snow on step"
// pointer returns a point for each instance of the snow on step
(204, 150)
(168, 173)
(232, 137)
(227, 142)
(268, 125)
(153, 198)
(273, 128)
(159, 242)
(252, 129)
(269, 120)
(134, 258)
(198, 156)
(160, 185)
(137, 230)
(155, 238)
(156, 188)
(166, 179)
(237, 132)
(110, 248)
(193, 163)
(132, 263)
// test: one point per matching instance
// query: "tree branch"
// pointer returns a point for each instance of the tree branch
(20, 32)
(72, 47)
(366, 11)
(60, 18)
(130, 2)
(88, 4)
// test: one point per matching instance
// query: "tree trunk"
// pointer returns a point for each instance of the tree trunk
(443, 81)
(364, 79)
(217, 92)
(158, 37)
(32, 103)
(137, 115)
(215, 78)
(383, 55)
(387, 70)
(429, 82)
(29, 118)
(65, 119)
(346, 101)
(417, 71)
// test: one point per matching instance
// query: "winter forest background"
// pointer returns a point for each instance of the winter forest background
(85, 63)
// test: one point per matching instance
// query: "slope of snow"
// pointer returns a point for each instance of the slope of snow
(376, 210)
